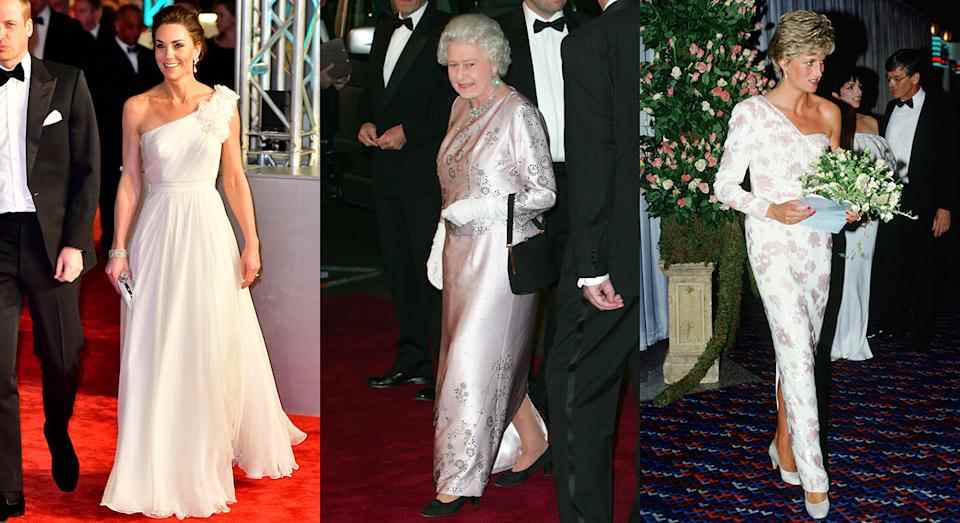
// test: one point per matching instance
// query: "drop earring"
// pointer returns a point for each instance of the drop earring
(497, 81)
(196, 60)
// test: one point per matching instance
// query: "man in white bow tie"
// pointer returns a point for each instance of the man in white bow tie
(49, 181)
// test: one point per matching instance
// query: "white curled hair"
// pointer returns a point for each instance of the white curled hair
(481, 31)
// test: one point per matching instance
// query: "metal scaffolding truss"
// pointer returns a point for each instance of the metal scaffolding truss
(278, 60)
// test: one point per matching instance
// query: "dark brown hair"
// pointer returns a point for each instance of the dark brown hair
(183, 15)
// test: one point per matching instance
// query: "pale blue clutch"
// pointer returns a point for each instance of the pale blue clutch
(830, 216)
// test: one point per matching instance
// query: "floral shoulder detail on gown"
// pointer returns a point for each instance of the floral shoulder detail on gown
(214, 114)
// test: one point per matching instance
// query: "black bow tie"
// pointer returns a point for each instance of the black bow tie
(17, 73)
(131, 49)
(908, 103)
(558, 24)
(403, 22)
(38, 21)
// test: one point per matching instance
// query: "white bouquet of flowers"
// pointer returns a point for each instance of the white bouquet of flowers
(863, 184)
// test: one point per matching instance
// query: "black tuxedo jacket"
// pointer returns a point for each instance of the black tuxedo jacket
(933, 158)
(68, 42)
(106, 32)
(602, 138)
(63, 159)
(520, 74)
(418, 97)
(112, 82)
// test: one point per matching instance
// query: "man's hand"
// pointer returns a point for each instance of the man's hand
(341, 82)
(603, 296)
(368, 135)
(941, 223)
(325, 79)
(393, 139)
(69, 264)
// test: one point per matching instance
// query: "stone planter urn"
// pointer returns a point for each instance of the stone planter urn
(691, 319)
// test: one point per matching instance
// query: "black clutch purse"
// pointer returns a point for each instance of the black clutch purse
(530, 264)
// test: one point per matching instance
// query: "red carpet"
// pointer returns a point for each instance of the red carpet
(379, 458)
(93, 430)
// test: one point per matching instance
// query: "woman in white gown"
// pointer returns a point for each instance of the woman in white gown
(850, 341)
(196, 390)
(778, 137)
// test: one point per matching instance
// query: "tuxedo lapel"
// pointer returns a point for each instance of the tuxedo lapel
(120, 57)
(925, 126)
(42, 85)
(378, 54)
(522, 60)
(886, 118)
(411, 51)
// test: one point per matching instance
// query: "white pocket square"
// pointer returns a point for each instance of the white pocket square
(52, 118)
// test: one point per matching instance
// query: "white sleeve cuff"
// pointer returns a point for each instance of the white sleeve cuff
(590, 282)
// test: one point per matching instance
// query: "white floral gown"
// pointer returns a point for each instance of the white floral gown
(791, 263)
(196, 390)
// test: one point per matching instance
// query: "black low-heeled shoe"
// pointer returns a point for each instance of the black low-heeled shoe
(437, 508)
(512, 478)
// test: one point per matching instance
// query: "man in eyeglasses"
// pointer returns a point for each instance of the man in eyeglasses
(920, 127)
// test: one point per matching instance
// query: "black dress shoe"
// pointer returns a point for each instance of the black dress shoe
(437, 508)
(425, 394)
(512, 478)
(65, 466)
(395, 378)
(12, 506)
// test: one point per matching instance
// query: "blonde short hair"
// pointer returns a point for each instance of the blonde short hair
(799, 33)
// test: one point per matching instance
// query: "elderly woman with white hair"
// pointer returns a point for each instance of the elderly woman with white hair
(496, 145)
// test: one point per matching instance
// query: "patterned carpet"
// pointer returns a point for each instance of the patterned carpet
(894, 441)
(893, 446)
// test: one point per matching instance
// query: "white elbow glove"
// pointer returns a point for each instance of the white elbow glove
(435, 261)
(463, 212)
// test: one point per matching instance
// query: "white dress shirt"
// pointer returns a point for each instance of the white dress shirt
(609, 3)
(398, 41)
(901, 129)
(95, 31)
(39, 39)
(14, 192)
(548, 76)
(132, 57)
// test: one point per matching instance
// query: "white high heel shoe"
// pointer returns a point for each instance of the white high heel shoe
(816, 510)
(792, 478)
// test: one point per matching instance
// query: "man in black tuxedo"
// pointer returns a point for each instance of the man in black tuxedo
(598, 324)
(59, 38)
(920, 127)
(90, 15)
(49, 161)
(123, 68)
(535, 31)
(405, 108)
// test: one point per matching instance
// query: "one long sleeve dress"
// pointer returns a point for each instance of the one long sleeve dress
(791, 263)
